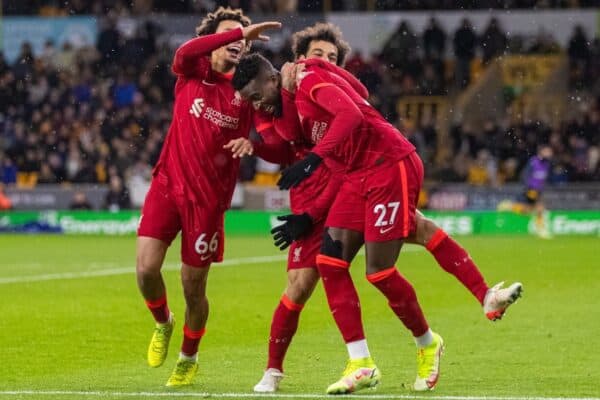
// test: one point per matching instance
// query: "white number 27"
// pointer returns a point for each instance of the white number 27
(382, 210)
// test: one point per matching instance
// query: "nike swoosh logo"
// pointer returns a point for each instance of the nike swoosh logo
(385, 230)
(204, 258)
(307, 169)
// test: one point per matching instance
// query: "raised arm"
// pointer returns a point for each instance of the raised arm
(186, 61)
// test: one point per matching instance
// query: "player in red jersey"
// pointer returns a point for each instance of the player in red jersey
(194, 179)
(370, 207)
(310, 202)
(324, 41)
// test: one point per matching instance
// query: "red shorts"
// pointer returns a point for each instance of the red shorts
(303, 252)
(382, 203)
(165, 214)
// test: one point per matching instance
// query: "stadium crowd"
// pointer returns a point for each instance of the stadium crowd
(93, 115)
(141, 7)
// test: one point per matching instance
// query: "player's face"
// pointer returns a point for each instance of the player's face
(323, 50)
(264, 93)
(546, 152)
(232, 52)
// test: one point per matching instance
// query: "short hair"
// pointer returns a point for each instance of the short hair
(210, 23)
(326, 32)
(249, 68)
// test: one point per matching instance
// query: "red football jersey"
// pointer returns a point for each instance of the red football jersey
(347, 131)
(313, 196)
(206, 115)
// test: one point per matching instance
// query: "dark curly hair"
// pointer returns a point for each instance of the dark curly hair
(249, 68)
(209, 24)
(326, 32)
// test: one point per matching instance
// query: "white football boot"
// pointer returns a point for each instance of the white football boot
(497, 299)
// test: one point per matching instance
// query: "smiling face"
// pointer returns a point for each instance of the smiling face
(323, 50)
(264, 92)
(225, 58)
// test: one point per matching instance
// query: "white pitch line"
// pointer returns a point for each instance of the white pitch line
(275, 395)
(118, 270)
(131, 269)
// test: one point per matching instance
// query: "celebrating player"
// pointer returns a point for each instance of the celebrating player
(194, 179)
(324, 41)
(369, 208)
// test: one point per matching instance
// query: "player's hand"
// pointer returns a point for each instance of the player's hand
(294, 227)
(254, 31)
(299, 171)
(289, 72)
(240, 147)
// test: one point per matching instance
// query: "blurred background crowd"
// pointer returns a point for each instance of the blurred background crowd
(141, 7)
(98, 114)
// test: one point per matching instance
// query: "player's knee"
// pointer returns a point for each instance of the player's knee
(330, 247)
(425, 230)
(300, 290)
(147, 264)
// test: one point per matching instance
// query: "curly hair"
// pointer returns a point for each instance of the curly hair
(210, 23)
(248, 69)
(326, 32)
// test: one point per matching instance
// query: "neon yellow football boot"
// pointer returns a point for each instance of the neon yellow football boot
(184, 372)
(159, 344)
(428, 364)
(360, 373)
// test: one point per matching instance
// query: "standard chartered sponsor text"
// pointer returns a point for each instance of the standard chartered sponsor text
(220, 119)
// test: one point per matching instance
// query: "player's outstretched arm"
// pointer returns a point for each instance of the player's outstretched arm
(185, 61)
(187, 56)
(255, 31)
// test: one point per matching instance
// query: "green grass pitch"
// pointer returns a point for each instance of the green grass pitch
(67, 336)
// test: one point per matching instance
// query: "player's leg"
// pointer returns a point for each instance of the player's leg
(449, 255)
(541, 219)
(159, 225)
(193, 280)
(301, 284)
(201, 244)
(389, 219)
(455, 260)
(338, 249)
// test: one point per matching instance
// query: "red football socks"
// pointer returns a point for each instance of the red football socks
(283, 328)
(341, 296)
(191, 340)
(159, 309)
(401, 298)
(455, 260)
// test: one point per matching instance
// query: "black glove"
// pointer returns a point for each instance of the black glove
(295, 226)
(299, 171)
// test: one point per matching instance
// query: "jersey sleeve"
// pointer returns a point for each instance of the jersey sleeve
(346, 114)
(187, 61)
(288, 125)
(320, 207)
(272, 148)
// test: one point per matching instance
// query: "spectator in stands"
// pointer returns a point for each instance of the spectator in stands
(465, 41)
(117, 197)
(8, 173)
(400, 46)
(5, 203)
(434, 41)
(579, 57)
(80, 201)
(493, 41)
(109, 41)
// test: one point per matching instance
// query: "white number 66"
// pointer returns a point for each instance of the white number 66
(202, 247)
